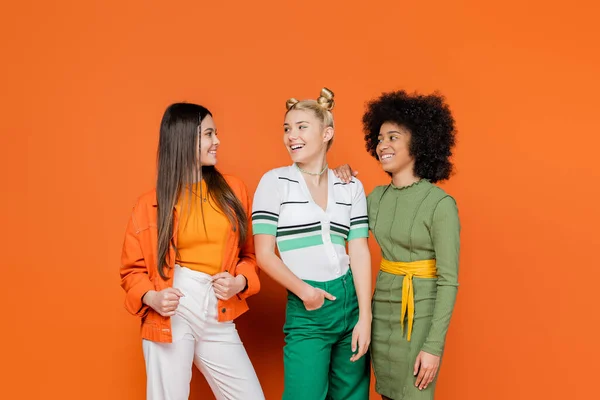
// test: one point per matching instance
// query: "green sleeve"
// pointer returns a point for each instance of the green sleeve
(445, 234)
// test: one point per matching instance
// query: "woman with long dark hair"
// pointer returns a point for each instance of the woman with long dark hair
(188, 264)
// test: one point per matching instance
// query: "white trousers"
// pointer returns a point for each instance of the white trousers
(214, 347)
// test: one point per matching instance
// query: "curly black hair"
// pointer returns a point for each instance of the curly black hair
(430, 122)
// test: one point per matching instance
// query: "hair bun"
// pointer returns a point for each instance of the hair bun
(325, 100)
(291, 103)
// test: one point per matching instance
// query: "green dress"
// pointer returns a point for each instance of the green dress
(416, 222)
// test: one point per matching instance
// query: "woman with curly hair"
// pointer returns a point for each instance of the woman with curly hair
(416, 225)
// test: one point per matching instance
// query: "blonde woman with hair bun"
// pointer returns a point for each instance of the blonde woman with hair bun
(311, 216)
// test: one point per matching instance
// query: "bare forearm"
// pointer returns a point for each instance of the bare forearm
(360, 263)
(277, 270)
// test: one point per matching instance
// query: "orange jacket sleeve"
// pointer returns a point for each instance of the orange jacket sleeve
(247, 265)
(134, 274)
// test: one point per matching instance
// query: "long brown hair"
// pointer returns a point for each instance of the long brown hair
(179, 168)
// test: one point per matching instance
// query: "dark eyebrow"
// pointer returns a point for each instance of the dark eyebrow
(209, 129)
(388, 132)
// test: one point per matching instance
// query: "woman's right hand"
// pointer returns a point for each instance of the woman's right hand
(164, 302)
(314, 298)
(344, 172)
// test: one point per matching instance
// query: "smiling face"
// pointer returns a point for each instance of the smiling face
(209, 142)
(304, 136)
(393, 149)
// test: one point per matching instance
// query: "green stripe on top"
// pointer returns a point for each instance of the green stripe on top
(300, 243)
(265, 212)
(339, 230)
(361, 220)
(264, 217)
(298, 231)
(337, 239)
(360, 232)
(264, 229)
(310, 225)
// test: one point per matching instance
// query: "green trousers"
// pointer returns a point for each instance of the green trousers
(318, 347)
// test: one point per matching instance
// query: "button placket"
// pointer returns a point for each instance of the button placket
(329, 247)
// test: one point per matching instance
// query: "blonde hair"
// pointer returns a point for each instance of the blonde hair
(321, 108)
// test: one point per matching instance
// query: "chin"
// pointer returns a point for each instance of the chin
(295, 158)
(388, 168)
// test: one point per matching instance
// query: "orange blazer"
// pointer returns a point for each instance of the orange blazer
(139, 272)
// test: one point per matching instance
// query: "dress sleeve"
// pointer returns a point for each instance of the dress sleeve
(445, 234)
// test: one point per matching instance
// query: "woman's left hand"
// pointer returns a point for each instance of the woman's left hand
(345, 172)
(426, 366)
(361, 338)
(226, 285)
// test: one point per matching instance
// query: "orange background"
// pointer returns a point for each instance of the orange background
(85, 83)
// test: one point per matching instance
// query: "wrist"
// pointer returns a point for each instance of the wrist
(242, 282)
(147, 297)
(365, 315)
(305, 291)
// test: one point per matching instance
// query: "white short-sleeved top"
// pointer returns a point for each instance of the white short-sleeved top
(311, 241)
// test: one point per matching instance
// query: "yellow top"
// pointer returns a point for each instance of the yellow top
(419, 269)
(202, 232)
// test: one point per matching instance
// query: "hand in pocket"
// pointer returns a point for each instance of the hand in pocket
(315, 298)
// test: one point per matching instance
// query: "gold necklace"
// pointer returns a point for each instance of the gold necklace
(312, 173)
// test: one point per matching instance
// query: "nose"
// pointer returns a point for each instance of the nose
(216, 140)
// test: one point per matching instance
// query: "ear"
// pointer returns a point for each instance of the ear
(328, 134)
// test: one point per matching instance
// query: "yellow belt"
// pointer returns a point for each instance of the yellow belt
(418, 269)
